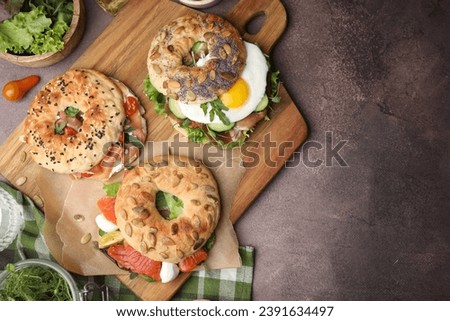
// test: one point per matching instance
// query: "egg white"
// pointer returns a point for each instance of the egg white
(254, 74)
(104, 224)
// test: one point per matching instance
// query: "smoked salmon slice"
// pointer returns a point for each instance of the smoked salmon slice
(130, 259)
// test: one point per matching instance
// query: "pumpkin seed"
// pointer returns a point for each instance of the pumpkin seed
(38, 201)
(167, 241)
(86, 238)
(21, 180)
(227, 48)
(180, 254)
(131, 200)
(157, 69)
(128, 229)
(123, 214)
(78, 217)
(196, 222)
(137, 222)
(152, 239)
(144, 248)
(152, 230)
(174, 228)
(23, 156)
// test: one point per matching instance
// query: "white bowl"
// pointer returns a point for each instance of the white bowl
(11, 219)
(200, 3)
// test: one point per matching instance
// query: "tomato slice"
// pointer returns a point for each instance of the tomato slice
(69, 131)
(131, 106)
(130, 259)
(189, 263)
(106, 206)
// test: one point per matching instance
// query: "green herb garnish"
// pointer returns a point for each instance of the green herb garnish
(169, 204)
(133, 140)
(71, 111)
(275, 86)
(59, 127)
(196, 135)
(204, 107)
(111, 189)
(209, 244)
(217, 108)
(34, 283)
(155, 96)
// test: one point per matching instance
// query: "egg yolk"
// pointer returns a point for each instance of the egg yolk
(237, 95)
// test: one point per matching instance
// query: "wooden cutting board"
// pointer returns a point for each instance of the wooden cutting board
(121, 52)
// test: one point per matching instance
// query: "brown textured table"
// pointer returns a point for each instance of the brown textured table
(362, 212)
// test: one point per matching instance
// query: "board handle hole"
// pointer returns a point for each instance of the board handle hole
(254, 25)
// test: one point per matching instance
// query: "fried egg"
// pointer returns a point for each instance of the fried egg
(243, 97)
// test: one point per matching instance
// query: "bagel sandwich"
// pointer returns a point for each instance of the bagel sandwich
(214, 86)
(160, 219)
(85, 124)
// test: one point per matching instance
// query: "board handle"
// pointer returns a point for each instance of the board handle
(274, 25)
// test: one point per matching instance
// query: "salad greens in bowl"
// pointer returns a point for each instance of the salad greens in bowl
(40, 32)
(37, 280)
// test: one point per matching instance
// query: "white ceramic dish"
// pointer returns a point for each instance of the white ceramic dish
(11, 219)
(200, 4)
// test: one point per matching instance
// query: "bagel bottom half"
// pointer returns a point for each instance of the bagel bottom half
(146, 230)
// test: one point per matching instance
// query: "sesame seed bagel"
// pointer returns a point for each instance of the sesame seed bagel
(142, 225)
(196, 84)
(100, 103)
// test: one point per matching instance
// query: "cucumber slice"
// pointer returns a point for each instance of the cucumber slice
(262, 104)
(219, 127)
(175, 109)
(199, 46)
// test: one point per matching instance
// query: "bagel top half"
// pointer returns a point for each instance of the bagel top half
(100, 102)
(142, 225)
(196, 84)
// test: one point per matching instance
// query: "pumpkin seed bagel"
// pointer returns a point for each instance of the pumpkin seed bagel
(169, 59)
(86, 97)
(142, 225)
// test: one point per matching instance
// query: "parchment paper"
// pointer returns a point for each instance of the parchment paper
(68, 198)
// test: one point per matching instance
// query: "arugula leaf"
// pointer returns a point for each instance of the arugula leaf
(111, 189)
(171, 203)
(133, 140)
(55, 9)
(204, 107)
(196, 135)
(275, 86)
(34, 283)
(155, 96)
(209, 244)
(217, 108)
(71, 111)
(59, 127)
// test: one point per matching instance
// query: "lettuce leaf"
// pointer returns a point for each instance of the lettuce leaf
(32, 32)
(170, 203)
(111, 189)
(155, 96)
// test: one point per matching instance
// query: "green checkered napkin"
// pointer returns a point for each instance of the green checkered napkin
(225, 284)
